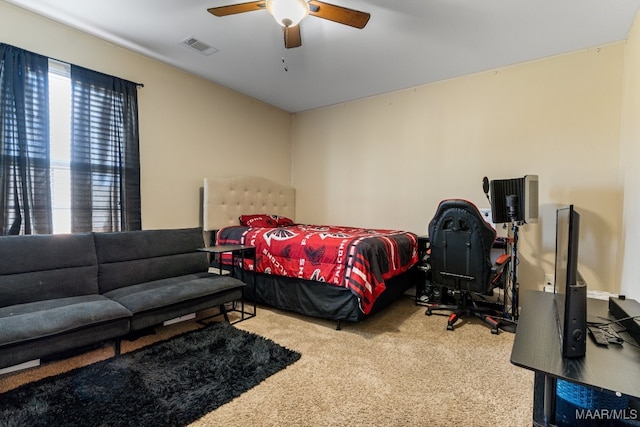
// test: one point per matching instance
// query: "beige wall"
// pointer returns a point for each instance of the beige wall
(630, 155)
(387, 161)
(189, 128)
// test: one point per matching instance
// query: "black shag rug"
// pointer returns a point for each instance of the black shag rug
(169, 383)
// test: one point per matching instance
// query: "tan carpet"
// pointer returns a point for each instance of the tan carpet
(399, 367)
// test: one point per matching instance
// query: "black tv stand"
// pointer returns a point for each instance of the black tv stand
(537, 347)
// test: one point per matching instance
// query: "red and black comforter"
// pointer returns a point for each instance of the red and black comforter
(356, 258)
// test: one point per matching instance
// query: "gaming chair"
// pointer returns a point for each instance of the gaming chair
(460, 258)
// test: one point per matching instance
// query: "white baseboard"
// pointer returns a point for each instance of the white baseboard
(25, 365)
(179, 319)
(600, 295)
(590, 293)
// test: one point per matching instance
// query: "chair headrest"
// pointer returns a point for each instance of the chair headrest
(488, 232)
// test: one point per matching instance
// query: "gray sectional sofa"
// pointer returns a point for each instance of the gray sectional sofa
(62, 292)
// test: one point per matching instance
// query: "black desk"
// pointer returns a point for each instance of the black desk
(537, 347)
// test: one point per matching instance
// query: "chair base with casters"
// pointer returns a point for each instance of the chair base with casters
(467, 306)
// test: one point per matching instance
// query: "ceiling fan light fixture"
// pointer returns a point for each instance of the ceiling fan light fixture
(288, 13)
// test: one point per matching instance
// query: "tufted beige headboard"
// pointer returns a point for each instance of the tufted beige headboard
(225, 199)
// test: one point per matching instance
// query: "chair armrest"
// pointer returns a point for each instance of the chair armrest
(498, 270)
(502, 260)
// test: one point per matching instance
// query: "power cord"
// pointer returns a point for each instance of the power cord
(610, 322)
(610, 333)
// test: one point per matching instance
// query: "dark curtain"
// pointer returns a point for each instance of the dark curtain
(25, 191)
(105, 157)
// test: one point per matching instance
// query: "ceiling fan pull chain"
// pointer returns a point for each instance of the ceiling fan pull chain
(284, 59)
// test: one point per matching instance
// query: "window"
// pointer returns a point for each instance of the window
(60, 145)
(69, 150)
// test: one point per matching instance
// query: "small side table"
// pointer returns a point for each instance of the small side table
(237, 251)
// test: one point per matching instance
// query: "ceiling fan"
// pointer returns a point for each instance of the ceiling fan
(289, 13)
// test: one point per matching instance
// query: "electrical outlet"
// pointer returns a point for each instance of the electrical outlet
(549, 280)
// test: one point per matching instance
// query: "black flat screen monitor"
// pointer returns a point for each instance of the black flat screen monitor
(570, 288)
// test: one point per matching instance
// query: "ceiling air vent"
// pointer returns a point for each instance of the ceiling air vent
(201, 47)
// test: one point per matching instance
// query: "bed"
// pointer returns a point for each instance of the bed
(332, 272)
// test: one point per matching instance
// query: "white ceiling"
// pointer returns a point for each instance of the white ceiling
(406, 42)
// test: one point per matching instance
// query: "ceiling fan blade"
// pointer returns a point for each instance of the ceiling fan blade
(342, 15)
(292, 37)
(237, 8)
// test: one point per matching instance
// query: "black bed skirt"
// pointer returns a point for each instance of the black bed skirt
(319, 299)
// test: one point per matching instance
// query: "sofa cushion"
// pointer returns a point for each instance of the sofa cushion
(42, 267)
(161, 293)
(36, 320)
(134, 257)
